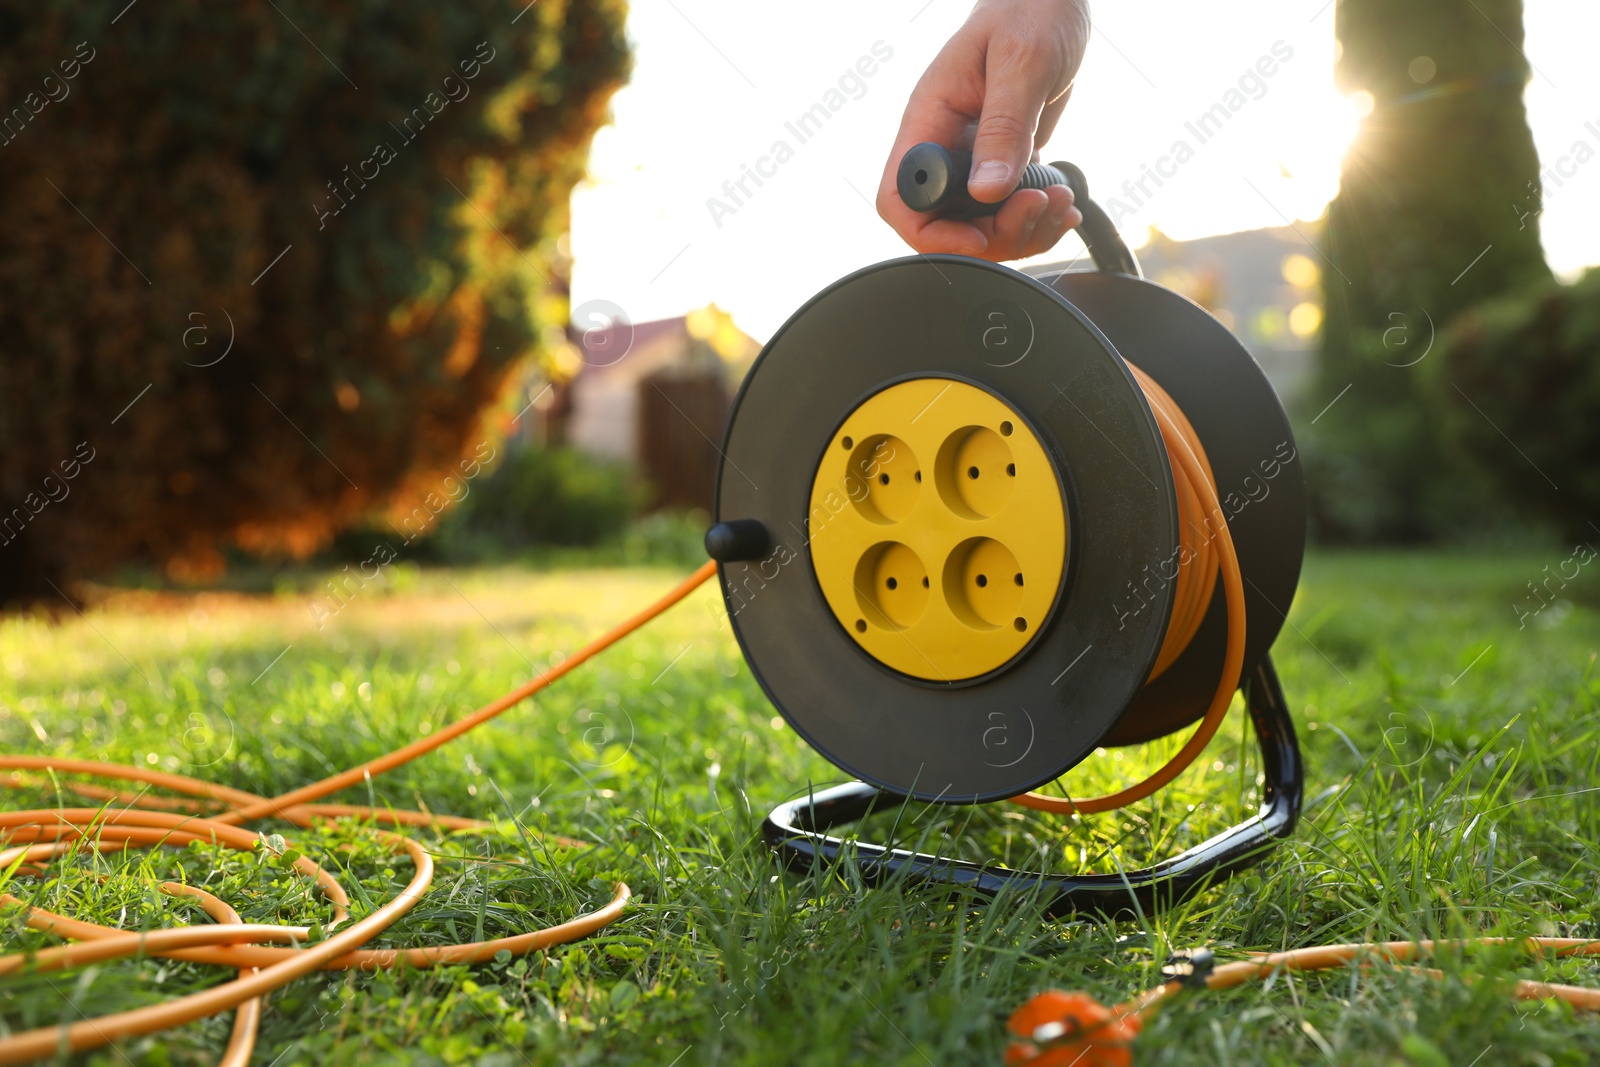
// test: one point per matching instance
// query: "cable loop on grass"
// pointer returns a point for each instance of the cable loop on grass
(37, 837)
(210, 813)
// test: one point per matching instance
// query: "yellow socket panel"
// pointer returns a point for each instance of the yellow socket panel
(937, 529)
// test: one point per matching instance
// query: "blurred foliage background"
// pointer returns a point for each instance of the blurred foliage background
(1438, 213)
(275, 270)
(362, 199)
(1526, 368)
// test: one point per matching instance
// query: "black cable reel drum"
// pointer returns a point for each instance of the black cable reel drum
(951, 540)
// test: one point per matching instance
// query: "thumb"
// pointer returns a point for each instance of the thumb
(1012, 102)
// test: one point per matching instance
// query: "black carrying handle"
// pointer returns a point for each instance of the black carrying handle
(796, 832)
(933, 179)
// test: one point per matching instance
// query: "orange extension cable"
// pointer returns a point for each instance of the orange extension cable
(1060, 1029)
(38, 836)
(1199, 509)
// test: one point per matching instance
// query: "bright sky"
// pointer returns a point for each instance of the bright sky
(716, 81)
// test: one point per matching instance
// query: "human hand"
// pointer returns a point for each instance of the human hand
(1009, 69)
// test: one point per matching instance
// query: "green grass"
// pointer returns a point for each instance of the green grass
(1452, 758)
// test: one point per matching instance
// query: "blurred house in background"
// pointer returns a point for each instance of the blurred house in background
(1264, 285)
(654, 395)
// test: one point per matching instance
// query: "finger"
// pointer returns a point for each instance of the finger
(1015, 86)
(1050, 116)
(1035, 219)
(1061, 216)
(928, 235)
(1014, 224)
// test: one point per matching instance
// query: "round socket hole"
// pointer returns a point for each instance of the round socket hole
(861, 626)
(968, 472)
(1011, 469)
(1005, 429)
(847, 443)
(890, 586)
(879, 479)
(1020, 623)
(1017, 578)
(976, 601)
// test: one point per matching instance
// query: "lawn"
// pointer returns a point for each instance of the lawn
(1452, 759)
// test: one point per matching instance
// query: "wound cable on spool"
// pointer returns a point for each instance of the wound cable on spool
(1199, 510)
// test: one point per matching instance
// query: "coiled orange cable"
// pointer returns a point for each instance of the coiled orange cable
(1201, 558)
(40, 835)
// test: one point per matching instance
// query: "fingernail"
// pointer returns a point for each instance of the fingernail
(991, 170)
(1060, 224)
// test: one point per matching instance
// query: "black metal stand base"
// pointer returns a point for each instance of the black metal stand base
(796, 831)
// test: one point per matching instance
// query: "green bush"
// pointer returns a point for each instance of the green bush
(540, 496)
(1518, 389)
(1379, 469)
(363, 199)
(667, 539)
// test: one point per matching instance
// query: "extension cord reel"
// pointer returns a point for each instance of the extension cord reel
(952, 540)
